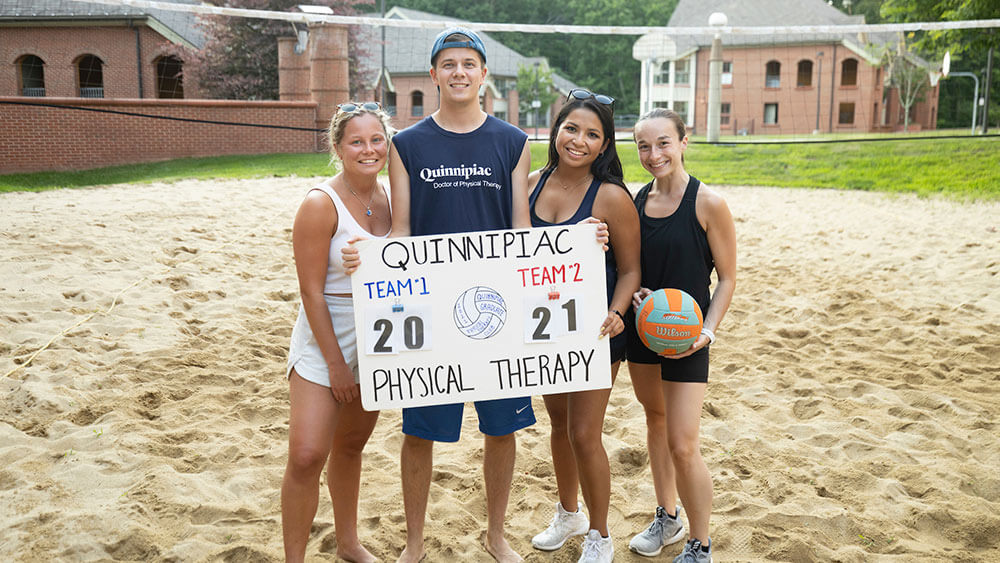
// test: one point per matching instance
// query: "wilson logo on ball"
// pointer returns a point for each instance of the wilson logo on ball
(668, 321)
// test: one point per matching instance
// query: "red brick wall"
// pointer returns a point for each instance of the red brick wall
(34, 138)
(61, 47)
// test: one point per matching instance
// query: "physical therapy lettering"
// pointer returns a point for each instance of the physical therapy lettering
(485, 315)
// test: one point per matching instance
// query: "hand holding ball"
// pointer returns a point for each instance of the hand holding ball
(668, 321)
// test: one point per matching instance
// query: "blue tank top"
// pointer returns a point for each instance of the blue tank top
(675, 251)
(460, 182)
(585, 210)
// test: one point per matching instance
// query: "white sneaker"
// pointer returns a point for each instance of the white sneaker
(564, 526)
(663, 531)
(597, 549)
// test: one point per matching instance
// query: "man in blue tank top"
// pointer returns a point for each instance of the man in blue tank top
(459, 170)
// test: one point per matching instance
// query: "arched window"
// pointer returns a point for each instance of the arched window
(849, 72)
(90, 73)
(805, 77)
(169, 77)
(417, 103)
(772, 75)
(31, 71)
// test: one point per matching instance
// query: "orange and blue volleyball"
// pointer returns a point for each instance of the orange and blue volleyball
(668, 321)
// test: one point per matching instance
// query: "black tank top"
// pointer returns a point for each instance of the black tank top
(675, 251)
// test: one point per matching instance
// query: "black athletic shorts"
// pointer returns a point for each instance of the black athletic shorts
(692, 369)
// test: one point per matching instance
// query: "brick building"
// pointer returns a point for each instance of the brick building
(59, 48)
(85, 85)
(791, 84)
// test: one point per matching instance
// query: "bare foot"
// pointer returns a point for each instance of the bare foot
(411, 556)
(501, 550)
(355, 554)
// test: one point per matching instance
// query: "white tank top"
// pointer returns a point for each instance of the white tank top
(337, 281)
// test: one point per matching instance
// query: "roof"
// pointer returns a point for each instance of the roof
(408, 49)
(695, 13)
(176, 26)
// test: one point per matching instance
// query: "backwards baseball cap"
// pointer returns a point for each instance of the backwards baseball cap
(474, 42)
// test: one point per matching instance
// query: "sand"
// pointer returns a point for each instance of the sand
(851, 413)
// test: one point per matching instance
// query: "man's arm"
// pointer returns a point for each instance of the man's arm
(519, 189)
(399, 184)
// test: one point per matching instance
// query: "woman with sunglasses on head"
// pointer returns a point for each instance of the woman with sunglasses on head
(582, 179)
(687, 231)
(327, 425)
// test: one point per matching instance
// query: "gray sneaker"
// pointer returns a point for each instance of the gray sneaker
(693, 553)
(663, 531)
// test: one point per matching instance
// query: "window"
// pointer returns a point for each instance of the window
(805, 74)
(501, 115)
(32, 73)
(724, 112)
(665, 105)
(504, 86)
(846, 113)
(390, 103)
(169, 77)
(663, 74)
(849, 72)
(727, 72)
(681, 108)
(771, 114)
(681, 72)
(417, 103)
(772, 75)
(90, 73)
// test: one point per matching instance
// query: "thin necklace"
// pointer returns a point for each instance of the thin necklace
(368, 206)
(574, 186)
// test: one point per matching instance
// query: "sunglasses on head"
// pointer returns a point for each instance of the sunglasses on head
(581, 94)
(351, 107)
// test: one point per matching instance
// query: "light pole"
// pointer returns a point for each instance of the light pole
(819, 86)
(716, 20)
(975, 95)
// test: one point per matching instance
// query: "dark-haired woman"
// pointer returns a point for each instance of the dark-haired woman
(583, 178)
(687, 231)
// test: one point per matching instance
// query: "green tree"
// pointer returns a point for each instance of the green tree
(535, 83)
(907, 75)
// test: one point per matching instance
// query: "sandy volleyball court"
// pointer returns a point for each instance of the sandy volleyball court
(851, 415)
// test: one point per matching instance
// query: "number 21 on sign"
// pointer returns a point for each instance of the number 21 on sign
(547, 318)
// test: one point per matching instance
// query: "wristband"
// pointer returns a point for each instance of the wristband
(615, 311)
(709, 334)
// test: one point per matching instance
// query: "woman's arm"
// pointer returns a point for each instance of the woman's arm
(315, 224)
(614, 206)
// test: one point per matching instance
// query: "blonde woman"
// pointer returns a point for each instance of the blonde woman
(327, 425)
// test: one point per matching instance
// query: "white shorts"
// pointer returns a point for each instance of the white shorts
(304, 354)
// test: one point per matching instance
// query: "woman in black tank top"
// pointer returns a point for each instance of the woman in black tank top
(583, 178)
(687, 231)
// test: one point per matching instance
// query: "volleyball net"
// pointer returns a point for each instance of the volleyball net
(822, 82)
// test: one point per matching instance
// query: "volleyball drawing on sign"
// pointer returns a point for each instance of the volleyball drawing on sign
(480, 312)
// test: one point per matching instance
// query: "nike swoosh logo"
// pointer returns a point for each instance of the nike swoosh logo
(520, 410)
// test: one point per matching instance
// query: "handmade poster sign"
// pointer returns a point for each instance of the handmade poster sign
(472, 316)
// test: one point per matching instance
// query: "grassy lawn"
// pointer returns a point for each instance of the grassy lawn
(960, 168)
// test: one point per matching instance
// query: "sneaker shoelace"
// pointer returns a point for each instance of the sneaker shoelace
(591, 548)
(656, 528)
(691, 551)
